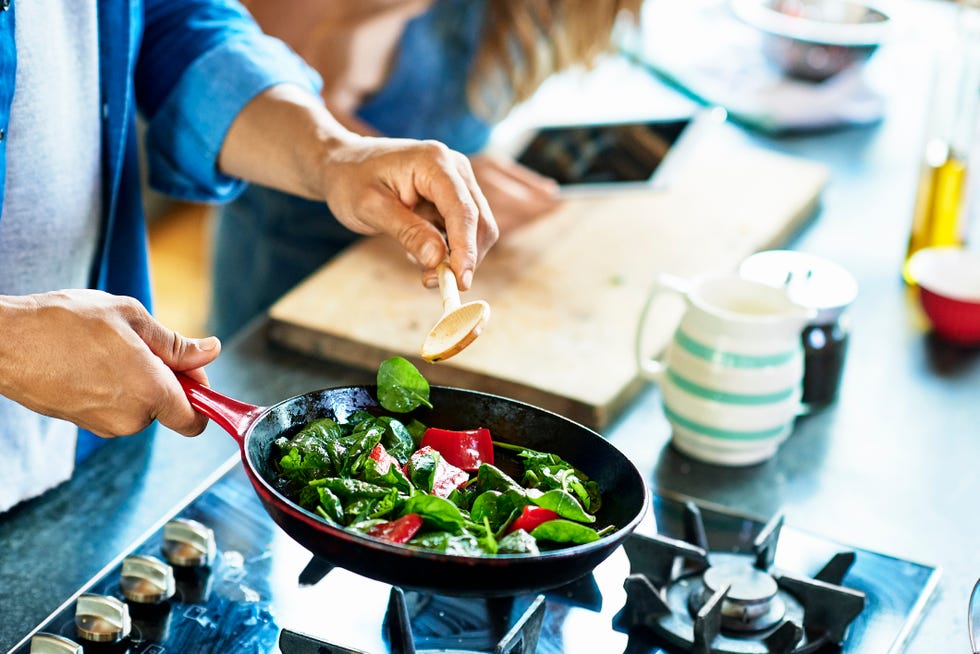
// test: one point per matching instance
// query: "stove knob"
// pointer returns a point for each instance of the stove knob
(188, 543)
(101, 619)
(43, 643)
(146, 580)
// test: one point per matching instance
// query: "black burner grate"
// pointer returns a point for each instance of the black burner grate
(712, 602)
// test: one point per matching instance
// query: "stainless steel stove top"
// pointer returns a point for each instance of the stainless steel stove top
(263, 593)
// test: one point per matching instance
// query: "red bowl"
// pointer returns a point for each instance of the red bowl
(949, 291)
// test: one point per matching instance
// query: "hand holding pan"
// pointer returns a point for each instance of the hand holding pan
(255, 428)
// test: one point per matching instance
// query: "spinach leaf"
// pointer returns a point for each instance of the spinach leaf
(464, 544)
(358, 509)
(495, 507)
(564, 531)
(303, 465)
(486, 538)
(549, 471)
(397, 439)
(394, 478)
(358, 448)
(437, 511)
(308, 498)
(386, 504)
(350, 488)
(330, 505)
(561, 503)
(490, 477)
(421, 470)
(323, 429)
(401, 387)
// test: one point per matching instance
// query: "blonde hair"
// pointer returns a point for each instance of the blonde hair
(525, 41)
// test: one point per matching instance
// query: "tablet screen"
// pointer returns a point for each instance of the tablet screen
(602, 153)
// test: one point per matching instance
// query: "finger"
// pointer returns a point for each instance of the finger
(449, 183)
(175, 411)
(180, 353)
(418, 233)
(470, 238)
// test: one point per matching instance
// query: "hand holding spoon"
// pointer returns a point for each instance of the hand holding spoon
(459, 325)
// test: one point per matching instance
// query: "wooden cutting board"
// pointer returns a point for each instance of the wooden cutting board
(565, 292)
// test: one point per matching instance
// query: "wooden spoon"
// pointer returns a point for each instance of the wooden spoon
(459, 325)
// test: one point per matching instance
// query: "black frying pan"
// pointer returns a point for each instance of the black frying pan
(256, 428)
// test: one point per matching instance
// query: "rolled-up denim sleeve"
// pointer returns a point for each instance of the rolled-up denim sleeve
(186, 130)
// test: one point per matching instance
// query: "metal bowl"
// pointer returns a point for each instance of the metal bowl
(815, 39)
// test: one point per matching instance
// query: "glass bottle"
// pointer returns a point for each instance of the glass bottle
(941, 208)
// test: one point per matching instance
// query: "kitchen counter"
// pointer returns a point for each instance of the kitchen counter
(890, 467)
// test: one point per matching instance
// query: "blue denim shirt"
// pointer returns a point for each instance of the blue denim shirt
(189, 66)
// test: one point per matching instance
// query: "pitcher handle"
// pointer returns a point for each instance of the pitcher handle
(651, 367)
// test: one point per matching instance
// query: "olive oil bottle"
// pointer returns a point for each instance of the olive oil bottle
(940, 205)
(943, 202)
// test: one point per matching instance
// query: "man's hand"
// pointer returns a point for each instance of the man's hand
(419, 192)
(98, 360)
(414, 191)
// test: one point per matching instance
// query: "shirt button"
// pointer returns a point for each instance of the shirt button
(3, 134)
(4, 5)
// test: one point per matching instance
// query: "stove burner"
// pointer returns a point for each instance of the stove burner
(711, 602)
(750, 599)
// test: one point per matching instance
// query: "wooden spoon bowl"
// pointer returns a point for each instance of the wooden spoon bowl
(459, 325)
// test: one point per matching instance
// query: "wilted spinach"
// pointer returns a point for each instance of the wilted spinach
(334, 470)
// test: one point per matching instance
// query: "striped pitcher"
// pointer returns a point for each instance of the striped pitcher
(731, 375)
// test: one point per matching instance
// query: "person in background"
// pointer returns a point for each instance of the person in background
(440, 69)
(223, 103)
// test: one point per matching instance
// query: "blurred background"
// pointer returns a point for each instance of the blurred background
(773, 79)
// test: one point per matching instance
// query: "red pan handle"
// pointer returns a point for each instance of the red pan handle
(231, 415)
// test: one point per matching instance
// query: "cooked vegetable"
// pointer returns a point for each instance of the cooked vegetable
(464, 449)
(397, 531)
(430, 472)
(531, 517)
(401, 387)
(434, 488)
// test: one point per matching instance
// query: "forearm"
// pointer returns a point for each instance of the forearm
(11, 366)
(284, 138)
(419, 192)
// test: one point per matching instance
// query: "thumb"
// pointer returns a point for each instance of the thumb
(194, 353)
(179, 352)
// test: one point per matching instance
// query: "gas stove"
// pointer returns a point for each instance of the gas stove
(220, 577)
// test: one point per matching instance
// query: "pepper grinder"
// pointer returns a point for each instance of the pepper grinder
(828, 288)
(942, 209)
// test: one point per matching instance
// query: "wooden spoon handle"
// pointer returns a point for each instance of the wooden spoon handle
(448, 287)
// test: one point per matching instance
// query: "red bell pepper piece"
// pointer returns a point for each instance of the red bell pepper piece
(385, 460)
(447, 476)
(464, 449)
(530, 517)
(400, 530)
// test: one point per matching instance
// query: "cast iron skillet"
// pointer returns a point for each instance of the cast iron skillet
(256, 428)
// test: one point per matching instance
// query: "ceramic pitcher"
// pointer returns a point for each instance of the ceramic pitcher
(731, 375)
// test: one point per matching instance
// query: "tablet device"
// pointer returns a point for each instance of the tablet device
(613, 156)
